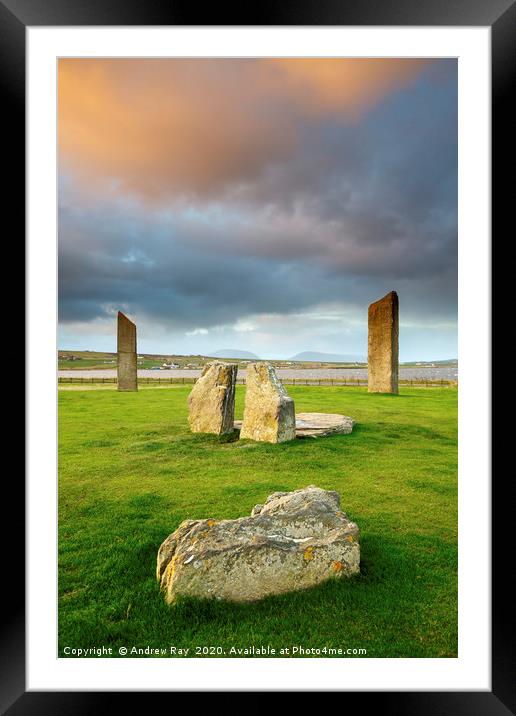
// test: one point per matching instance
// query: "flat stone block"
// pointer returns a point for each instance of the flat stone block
(317, 425)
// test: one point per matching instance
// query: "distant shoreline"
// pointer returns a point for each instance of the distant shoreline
(93, 360)
(405, 372)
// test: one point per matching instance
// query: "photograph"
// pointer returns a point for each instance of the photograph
(257, 357)
(259, 318)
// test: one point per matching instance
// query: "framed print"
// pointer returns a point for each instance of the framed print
(261, 248)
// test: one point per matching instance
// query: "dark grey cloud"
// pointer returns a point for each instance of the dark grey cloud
(361, 207)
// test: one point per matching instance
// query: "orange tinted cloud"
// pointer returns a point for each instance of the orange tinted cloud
(349, 85)
(160, 128)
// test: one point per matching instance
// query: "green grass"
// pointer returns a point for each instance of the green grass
(130, 472)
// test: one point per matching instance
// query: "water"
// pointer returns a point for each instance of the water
(417, 373)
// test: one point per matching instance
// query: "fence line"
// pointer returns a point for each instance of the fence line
(338, 382)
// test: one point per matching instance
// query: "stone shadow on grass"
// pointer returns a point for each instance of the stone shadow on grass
(385, 566)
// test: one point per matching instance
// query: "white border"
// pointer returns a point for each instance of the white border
(471, 671)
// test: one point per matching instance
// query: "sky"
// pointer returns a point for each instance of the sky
(257, 204)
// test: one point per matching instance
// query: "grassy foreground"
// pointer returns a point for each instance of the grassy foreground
(130, 472)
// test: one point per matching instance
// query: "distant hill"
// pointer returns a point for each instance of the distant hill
(233, 353)
(314, 357)
(426, 363)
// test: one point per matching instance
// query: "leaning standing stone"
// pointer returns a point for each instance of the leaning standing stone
(212, 400)
(293, 541)
(382, 358)
(269, 412)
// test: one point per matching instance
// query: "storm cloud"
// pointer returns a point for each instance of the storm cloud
(262, 203)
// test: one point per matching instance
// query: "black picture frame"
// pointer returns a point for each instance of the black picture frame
(500, 16)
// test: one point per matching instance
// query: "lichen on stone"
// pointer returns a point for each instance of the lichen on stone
(266, 553)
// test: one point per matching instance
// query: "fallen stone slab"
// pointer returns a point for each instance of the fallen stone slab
(316, 425)
(269, 410)
(211, 403)
(293, 541)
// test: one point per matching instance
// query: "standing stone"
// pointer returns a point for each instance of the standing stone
(212, 400)
(382, 358)
(269, 412)
(127, 358)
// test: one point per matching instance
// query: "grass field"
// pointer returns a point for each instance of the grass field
(130, 472)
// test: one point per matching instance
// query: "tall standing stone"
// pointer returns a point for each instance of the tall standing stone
(382, 354)
(269, 412)
(211, 402)
(127, 357)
